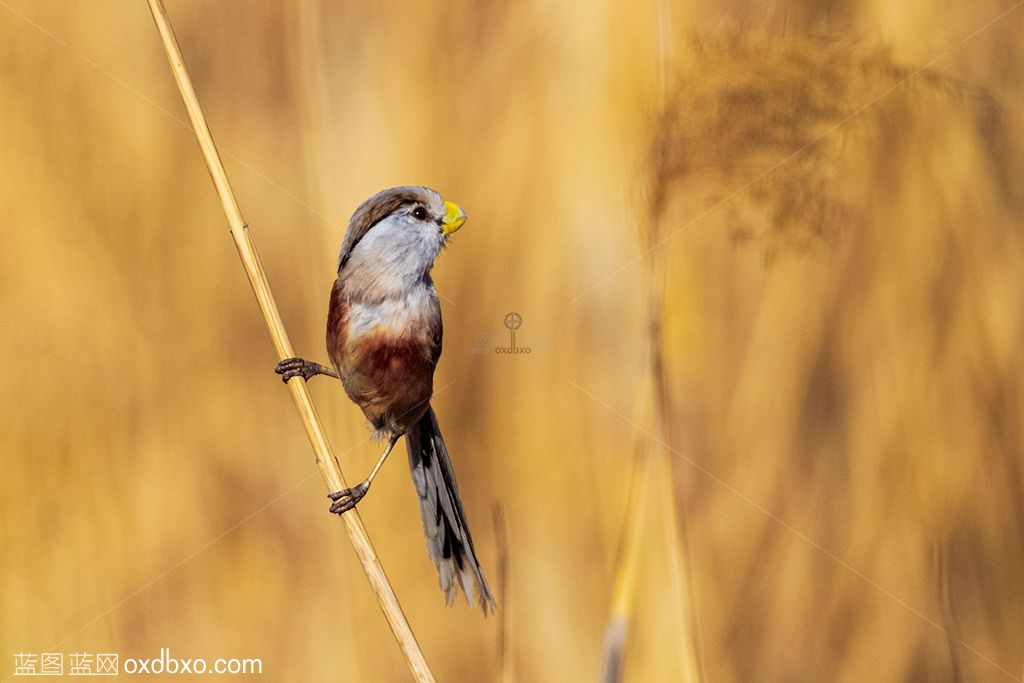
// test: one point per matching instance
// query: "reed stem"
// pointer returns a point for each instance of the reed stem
(328, 464)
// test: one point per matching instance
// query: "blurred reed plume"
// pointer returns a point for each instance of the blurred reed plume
(809, 246)
(774, 118)
(849, 365)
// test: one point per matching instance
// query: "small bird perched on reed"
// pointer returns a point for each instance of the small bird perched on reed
(384, 341)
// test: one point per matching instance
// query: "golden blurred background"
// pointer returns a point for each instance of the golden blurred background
(769, 260)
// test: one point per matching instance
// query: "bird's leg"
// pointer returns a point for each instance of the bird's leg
(299, 367)
(347, 499)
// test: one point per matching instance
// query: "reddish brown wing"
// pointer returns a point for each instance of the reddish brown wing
(337, 327)
(437, 337)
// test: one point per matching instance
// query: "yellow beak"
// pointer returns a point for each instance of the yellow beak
(454, 217)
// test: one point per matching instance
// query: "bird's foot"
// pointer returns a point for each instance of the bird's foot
(347, 499)
(297, 367)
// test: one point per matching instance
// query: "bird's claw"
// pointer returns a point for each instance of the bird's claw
(295, 367)
(346, 499)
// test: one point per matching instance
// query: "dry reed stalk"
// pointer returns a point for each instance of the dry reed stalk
(663, 407)
(627, 569)
(651, 236)
(664, 411)
(330, 469)
(506, 655)
(628, 566)
(950, 622)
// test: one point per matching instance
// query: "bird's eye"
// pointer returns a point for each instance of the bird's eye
(419, 213)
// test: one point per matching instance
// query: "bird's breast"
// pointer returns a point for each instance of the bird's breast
(406, 321)
(385, 351)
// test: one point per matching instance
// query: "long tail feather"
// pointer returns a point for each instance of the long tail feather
(444, 521)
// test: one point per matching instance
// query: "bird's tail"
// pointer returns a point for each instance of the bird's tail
(444, 521)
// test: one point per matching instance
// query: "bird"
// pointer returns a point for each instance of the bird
(384, 335)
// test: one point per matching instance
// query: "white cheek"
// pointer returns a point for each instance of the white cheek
(419, 243)
(397, 252)
(400, 236)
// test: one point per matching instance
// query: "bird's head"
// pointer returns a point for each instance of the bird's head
(395, 235)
